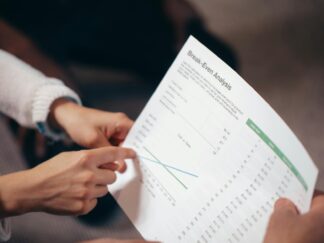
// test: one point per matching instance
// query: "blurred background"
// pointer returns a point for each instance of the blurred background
(114, 53)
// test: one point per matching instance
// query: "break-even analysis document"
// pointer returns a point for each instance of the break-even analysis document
(213, 157)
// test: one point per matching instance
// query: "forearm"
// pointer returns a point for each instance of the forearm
(17, 194)
(8, 204)
(16, 190)
(5, 205)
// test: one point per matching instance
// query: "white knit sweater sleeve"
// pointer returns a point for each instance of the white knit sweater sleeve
(25, 93)
(26, 96)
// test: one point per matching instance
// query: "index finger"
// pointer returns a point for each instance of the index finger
(101, 156)
(119, 166)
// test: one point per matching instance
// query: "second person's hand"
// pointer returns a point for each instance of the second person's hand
(69, 183)
(88, 127)
(287, 225)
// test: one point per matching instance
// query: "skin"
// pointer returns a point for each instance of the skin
(68, 184)
(287, 225)
(16, 43)
(88, 127)
(71, 182)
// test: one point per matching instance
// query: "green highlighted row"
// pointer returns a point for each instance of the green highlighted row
(277, 151)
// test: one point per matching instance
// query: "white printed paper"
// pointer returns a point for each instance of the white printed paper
(213, 157)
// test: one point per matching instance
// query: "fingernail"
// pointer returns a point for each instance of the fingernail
(122, 168)
(110, 166)
(284, 202)
(116, 127)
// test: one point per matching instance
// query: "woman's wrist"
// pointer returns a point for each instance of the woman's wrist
(16, 190)
(8, 203)
(59, 112)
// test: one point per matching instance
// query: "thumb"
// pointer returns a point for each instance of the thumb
(283, 216)
(284, 206)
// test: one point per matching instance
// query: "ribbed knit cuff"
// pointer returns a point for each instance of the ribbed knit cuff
(45, 95)
(5, 230)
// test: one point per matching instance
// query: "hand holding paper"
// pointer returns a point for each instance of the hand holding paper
(213, 157)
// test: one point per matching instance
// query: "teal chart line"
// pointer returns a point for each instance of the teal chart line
(168, 166)
(167, 169)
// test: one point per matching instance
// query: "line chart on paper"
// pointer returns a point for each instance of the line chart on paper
(171, 170)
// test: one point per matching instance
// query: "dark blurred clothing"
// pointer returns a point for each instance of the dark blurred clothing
(124, 34)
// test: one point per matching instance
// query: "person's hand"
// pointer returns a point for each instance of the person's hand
(106, 240)
(69, 183)
(87, 127)
(288, 226)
